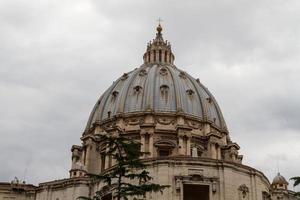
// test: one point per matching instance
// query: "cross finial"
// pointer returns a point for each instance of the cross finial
(159, 28)
(159, 20)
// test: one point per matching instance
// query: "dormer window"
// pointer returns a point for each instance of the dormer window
(124, 77)
(164, 89)
(209, 99)
(190, 92)
(182, 75)
(137, 89)
(143, 72)
(163, 71)
(114, 95)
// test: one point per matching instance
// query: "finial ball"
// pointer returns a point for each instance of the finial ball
(159, 28)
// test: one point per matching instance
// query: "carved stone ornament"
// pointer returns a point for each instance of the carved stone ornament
(244, 190)
(143, 72)
(182, 75)
(109, 125)
(124, 77)
(194, 125)
(134, 121)
(190, 92)
(137, 89)
(163, 71)
(165, 120)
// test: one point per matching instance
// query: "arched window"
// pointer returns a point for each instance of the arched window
(196, 150)
(164, 148)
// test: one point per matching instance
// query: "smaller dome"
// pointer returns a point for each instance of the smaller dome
(279, 179)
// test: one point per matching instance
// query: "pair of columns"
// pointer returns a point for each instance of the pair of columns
(147, 144)
(184, 145)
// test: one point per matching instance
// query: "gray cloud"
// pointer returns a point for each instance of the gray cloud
(57, 57)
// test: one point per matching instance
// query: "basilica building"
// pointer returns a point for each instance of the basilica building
(180, 125)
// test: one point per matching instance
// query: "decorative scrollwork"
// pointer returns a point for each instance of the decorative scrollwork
(143, 72)
(163, 71)
(165, 120)
(244, 190)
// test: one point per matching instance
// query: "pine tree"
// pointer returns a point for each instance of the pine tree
(296, 183)
(126, 152)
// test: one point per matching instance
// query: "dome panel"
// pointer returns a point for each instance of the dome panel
(164, 99)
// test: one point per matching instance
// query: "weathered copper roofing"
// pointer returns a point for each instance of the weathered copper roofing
(160, 87)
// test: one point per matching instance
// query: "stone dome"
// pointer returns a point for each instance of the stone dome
(158, 86)
(279, 179)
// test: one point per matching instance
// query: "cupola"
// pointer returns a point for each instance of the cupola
(159, 50)
(279, 182)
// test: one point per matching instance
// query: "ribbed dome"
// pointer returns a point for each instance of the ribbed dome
(161, 89)
(279, 179)
(158, 87)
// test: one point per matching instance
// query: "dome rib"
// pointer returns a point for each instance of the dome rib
(218, 110)
(176, 89)
(125, 89)
(105, 102)
(198, 93)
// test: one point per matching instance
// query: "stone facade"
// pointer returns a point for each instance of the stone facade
(180, 125)
(17, 190)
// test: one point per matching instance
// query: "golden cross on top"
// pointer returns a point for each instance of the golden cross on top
(159, 20)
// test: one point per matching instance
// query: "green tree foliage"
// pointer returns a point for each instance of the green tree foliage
(296, 183)
(126, 153)
(296, 180)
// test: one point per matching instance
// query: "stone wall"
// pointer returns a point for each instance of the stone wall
(20, 191)
(66, 189)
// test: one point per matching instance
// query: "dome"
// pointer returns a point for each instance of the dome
(279, 179)
(159, 87)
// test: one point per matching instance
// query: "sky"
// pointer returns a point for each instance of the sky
(58, 56)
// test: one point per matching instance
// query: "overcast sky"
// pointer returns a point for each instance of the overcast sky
(58, 56)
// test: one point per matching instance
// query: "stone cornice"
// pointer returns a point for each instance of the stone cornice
(63, 183)
(124, 116)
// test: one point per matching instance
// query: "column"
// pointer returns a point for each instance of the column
(87, 157)
(188, 146)
(143, 146)
(106, 159)
(180, 151)
(213, 151)
(219, 153)
(151, 145)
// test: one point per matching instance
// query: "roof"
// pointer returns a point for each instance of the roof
(279, 179)
(161, 88)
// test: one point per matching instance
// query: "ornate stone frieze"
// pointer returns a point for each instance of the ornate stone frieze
(194, 125)
(165, 120)
(134, 121)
